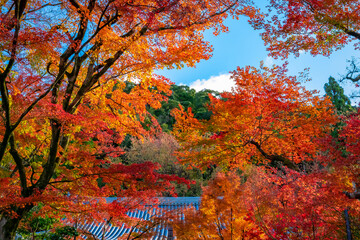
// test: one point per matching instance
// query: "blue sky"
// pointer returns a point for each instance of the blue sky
(243, 46)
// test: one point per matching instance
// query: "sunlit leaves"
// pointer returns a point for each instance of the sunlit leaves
(316, 26)
(267, 116)
(224, 213)
(76, 78)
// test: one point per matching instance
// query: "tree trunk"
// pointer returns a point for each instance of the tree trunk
(8, 228)
(8, 225)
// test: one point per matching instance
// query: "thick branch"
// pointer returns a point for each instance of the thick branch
(53, 159)
(20, 166)
(325, 19)
(83, 23)
(74, 74)
(352, 33)
(5, 103)
(276, 160)
(92, 78)
(19, 10)
(353, 79)
(84, 20)
(71, 82)
(351, 71)
(353, 195)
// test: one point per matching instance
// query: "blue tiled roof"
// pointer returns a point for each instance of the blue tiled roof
(160, 231)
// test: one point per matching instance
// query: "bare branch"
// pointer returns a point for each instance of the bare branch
(353, 71)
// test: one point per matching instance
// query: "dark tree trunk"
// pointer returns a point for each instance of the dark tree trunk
(8, 225)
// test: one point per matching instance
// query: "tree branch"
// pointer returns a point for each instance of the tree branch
(19, 9)
(53, 159)
(276, 160)
(20, 166)
(198, 22)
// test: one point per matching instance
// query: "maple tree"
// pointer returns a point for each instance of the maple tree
(267, 204)
(270, 121)
(317, 26)
(268, 118)
(298, 205)
(65, 106)
(223, 213)
(161, 149)
(342, 153)
(258, 123)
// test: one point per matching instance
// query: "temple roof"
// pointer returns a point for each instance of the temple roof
(147, 221)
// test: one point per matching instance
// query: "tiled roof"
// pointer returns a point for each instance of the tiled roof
(160, 230)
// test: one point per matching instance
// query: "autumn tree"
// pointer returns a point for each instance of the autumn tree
(161, 149)
(318, 27)
(272, 122)
(273, 125)
(296, 205)
(64, 66)
(270, 138)
(342, 153)
(223, 213)
(315, 26)
(263, 203)
(268, 119)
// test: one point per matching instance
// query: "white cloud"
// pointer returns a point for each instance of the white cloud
(269, 61)
(218, 83)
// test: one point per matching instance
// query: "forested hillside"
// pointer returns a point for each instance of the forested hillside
(187, 98)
